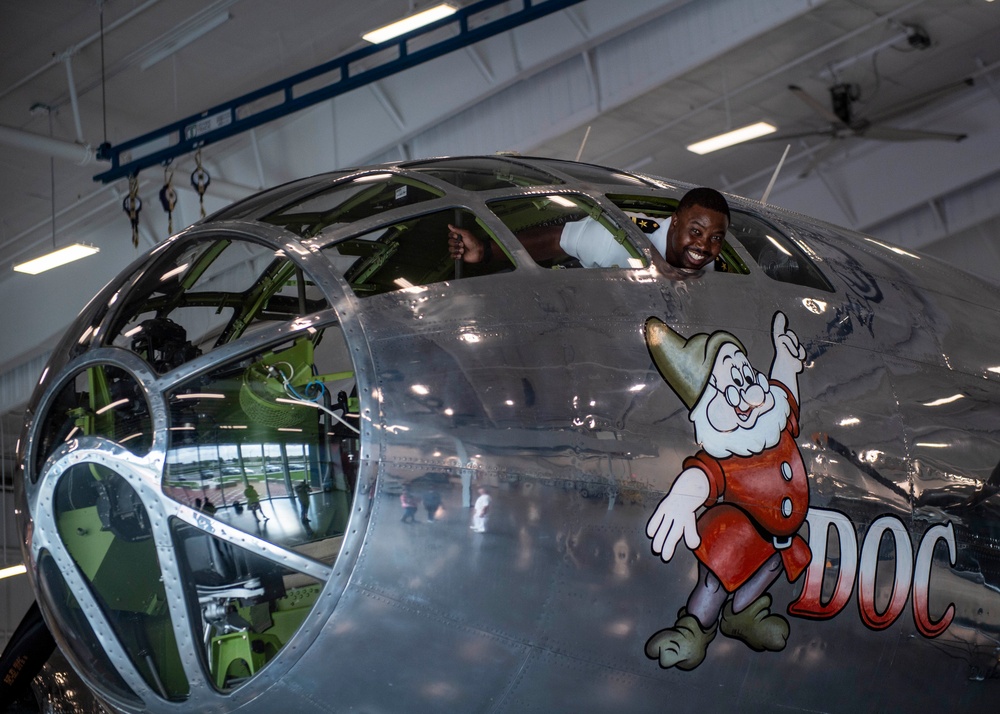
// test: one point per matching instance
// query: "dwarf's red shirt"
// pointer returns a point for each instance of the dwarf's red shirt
(756, 506)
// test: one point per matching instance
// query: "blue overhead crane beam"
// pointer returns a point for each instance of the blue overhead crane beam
(224, 120)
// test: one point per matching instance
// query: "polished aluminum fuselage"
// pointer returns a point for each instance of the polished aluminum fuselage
(539, 388)
(550, 609)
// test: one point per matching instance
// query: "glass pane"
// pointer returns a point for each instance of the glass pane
(568, 231)
(593, 174)
(351, 201)
(250, 207)
(412, 252)
(244, 607)
(207, 293)
(485, 174)
(779, 257)
(268, 444)
(106, 530)
(85, 647)
(102, 400)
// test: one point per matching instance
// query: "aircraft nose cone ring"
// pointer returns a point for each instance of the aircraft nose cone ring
(182, 527)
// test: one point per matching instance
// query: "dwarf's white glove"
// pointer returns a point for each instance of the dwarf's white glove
(674, 517)
(789, 354)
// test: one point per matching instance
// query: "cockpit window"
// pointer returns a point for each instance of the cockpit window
(271, 437)
(351, 201)
(266, 445)
(778, 256)
(245, 607)
(106, 530)
(101, 400)
(413, 252)
(86, 647)
(485, 174)
(651, 214)
(593, 174)
(206, 294)
(568, 231)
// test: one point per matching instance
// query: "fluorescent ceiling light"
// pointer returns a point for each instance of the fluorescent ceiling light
(894, 249)
(736, 136)
(944, 400)
(565, 202)
(776, 244)
(113, 405)
(374, 177)
(12, 571)
(176, 271)
(56, 258)
(408, 24)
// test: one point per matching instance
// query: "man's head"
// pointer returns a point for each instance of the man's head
(697, 229)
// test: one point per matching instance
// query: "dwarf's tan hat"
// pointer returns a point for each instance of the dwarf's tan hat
(685, 364)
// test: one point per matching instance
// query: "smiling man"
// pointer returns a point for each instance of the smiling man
(689, 241)
(697, 229)
(748, 477)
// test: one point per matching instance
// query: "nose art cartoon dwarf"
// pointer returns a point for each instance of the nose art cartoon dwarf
(740, 501)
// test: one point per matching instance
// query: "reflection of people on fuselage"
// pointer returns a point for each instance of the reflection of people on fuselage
(481, 511)
(432, 501)
(253, 502)
(302, 493)
(690, 241)
(409, 503)
(749, 478)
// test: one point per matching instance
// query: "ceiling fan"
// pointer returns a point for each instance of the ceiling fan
(845, 124)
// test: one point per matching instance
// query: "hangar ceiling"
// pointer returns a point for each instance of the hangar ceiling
(639, 80)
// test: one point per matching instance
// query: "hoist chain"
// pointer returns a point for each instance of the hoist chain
(200, 180)
(168, 198)
(132, 205)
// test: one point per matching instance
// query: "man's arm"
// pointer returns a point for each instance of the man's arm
(465, 246)
(542, 243)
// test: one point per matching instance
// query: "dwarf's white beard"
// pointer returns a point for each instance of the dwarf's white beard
(766, 432)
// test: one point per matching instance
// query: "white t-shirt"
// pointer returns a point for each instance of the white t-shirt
(594, 246)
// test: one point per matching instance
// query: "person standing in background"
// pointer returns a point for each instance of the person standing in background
(481, 511)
